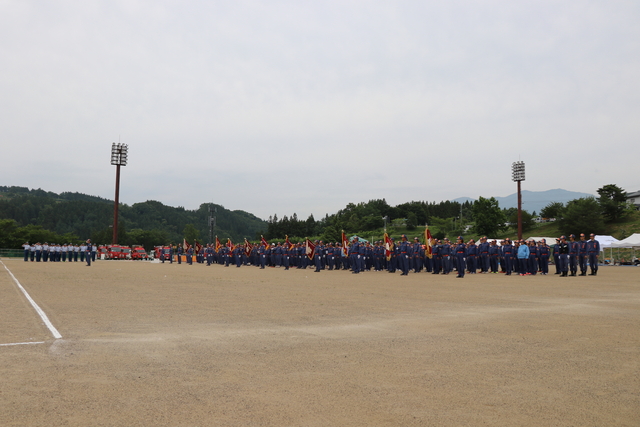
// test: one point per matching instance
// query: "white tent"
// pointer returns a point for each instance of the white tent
(607, 241)
(632, 241)
(548, 240)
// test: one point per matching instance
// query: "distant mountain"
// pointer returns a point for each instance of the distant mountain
(533, 201)
(88, 216)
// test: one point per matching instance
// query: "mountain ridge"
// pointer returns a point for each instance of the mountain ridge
(533, 201)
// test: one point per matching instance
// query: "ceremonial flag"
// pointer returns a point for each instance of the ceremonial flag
(388, 246)
(218, 244)
(197, 246)
(185, 245)
(247, 247)
(310, 249)
(345, 244)
(287, 243)
(264, 242)
(428, 251)
(230, 245)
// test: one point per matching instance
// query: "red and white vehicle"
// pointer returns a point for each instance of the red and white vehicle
(114, 252)
(138, 253)
(159, 250)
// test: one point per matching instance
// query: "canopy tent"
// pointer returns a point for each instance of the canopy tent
(548, 240)
(607, 241)
(632, 241)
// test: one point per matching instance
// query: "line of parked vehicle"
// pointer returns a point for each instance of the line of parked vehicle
(122, 252)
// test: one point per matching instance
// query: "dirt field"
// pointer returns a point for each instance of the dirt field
(147, 344)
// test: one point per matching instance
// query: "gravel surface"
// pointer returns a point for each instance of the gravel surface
(149, 344)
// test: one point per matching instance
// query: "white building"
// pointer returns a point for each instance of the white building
(634, 199)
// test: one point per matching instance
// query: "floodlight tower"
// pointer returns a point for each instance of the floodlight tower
(118, 158)
(517, 173)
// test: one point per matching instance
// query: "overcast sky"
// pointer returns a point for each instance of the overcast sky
(305, 106)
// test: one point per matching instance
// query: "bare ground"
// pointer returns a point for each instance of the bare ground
(147, 344)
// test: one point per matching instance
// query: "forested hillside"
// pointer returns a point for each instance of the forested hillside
(74, 215)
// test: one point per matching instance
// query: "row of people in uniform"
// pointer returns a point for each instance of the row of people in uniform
(519, 257)
(53, 252)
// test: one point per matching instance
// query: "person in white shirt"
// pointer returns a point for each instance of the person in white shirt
(27, 250)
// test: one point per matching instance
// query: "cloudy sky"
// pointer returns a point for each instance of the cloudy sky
(305, 106)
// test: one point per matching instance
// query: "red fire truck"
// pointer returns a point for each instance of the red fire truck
(114, 252)
(139, 253)
(159, 250)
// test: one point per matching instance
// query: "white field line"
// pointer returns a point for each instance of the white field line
(21, 343)
(43, 316)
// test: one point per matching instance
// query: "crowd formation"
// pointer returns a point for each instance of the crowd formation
(437, 257)
(53, 252)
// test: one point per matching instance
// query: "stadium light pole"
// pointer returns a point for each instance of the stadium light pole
(517, 173)
(118, 158)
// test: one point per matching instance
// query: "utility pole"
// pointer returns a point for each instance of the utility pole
(118, 158)
(212, 222)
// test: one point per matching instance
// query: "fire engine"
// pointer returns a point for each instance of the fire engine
(159, 250)
(114, 252)
(139, 253)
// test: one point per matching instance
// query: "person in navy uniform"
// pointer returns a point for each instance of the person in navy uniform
(472, 257)
(574, 249)
(543, 253)
(563, 255)
(445, 250)
(87, 254)
(237, 255)
(354, 254)
(583, 256)
(190, 255)
(417, 260)
(436, 257)
(593, 250)
(507, 252)
(460, 253)
(317, 255)
(533, 258)
(556, 256)
(494, 256)
(209, 254)
(262, 254)
(404, 249)
(286, 256)
(483, 255)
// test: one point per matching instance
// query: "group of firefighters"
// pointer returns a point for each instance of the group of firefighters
(436, 257)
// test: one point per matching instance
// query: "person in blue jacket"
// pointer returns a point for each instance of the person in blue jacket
(523, 258)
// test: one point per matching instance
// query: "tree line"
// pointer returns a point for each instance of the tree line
(450, 219)
(37, 215)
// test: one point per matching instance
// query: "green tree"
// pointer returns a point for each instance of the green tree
(488, 216)
(8, 227)
(613, 202)
(411, 221)
(582, 216)
(552, 210)
(527, 220)
(191, 233)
